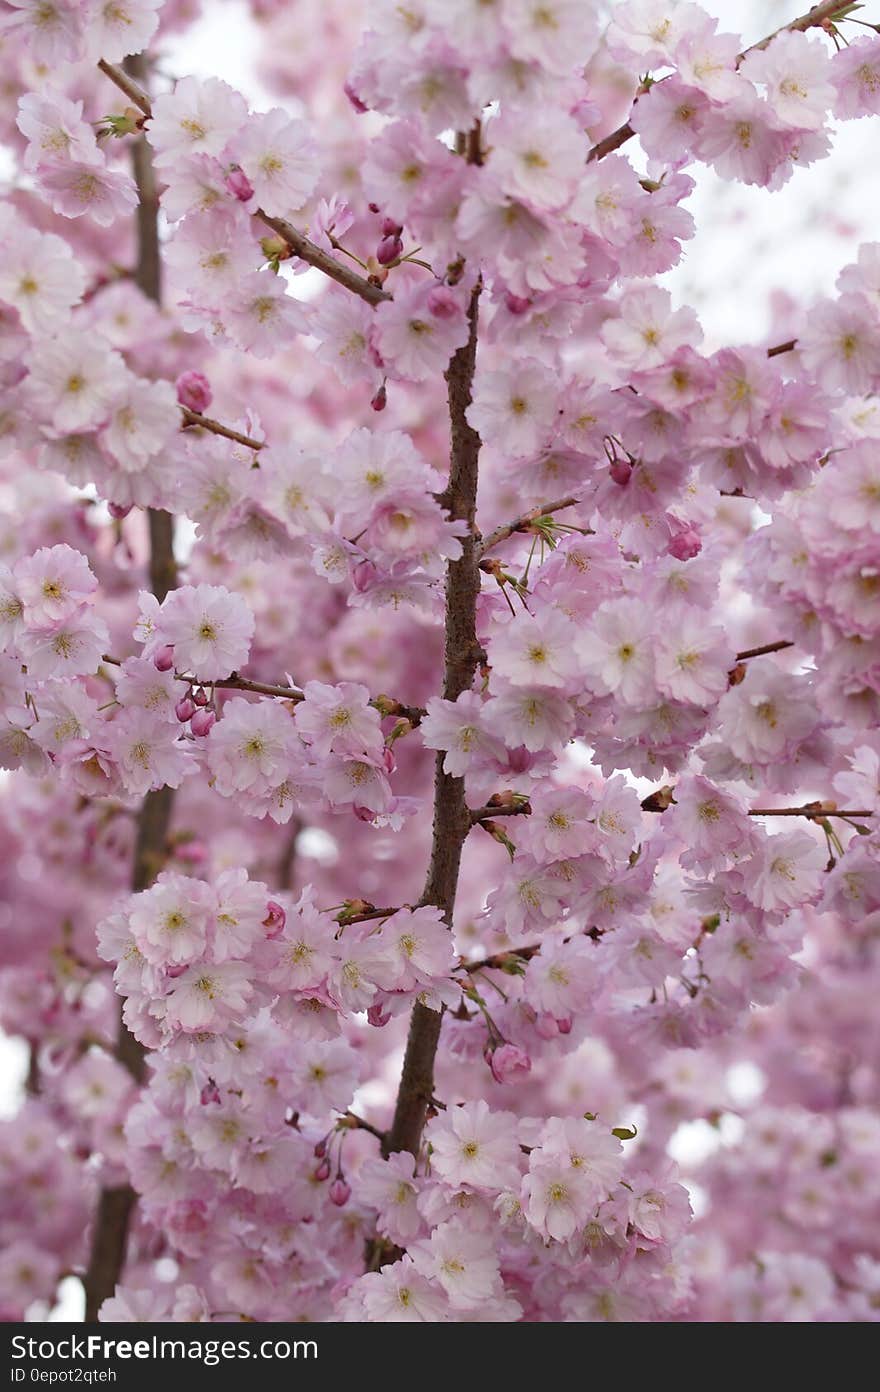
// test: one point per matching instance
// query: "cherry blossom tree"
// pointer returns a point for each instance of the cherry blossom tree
(440, 697)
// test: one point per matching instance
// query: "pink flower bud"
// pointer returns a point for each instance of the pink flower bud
(202, 721)
(175, 970)
(442, 303)
(194, 391)
(520, 760)
(545, 1026)
(193, 852)
(117, 511)
(621, 472)
(320, 1150)
(210, 1093)
(200, 696)
(340, 1192)
(390, 228)
(185, 709)
(516, 304)
(192, 1215)
(377, 1017)
(323, 1170)
(374, 207)
(239, 185)
(388, 250)
(564, 1024)
(685, 543)
(360, 108)
(163, 660)
(363, 575)
(275, 919)
(507, 1063)
(380, 400)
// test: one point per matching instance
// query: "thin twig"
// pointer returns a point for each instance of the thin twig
(525, 522)
(195, 418)
(489, 813)
(308, 251)
(299, 244)
(359, 1123)
(764, 649)
(385, 705)
(815, 814)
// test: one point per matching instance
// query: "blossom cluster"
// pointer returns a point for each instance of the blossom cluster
(632, 636)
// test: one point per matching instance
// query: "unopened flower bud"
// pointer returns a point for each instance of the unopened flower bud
(185, 709)
(194, 391)
(117, 511)
(193, 852)
(275, 919)
(516, 304)
(507, 1063)
(202, 721)
(391, 228)
(546, 1026)
(340, 1192)
(210, 1093)
(239, 185)
(442, 303)
(685, 543)
(388, 250)
(380, 400)
(200, 696)
(621, 472)
(323, 1170)
(163, 659)
(363, 576)
(175, 970)
(320, 1149)
(564, 1024)
(274, 248)
(359, 107)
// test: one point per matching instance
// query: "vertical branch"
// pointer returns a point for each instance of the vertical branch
(148, 277)
(451, 815)
(115, 1205)
(287, 860)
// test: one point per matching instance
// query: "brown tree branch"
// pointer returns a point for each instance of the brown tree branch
(308, 251)
(195, 418)
(524, 523)
(489, 812)
(815, 814)
(662, 798)
(112, 1220)
(452, 817)
(125, 82)
(299, 244)
(764, 649)
(385, 705)
(815, 18)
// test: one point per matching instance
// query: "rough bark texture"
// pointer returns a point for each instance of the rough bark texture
(113, 1216)
(451, 816)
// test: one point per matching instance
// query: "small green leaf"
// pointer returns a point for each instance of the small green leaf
(625, 1133)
